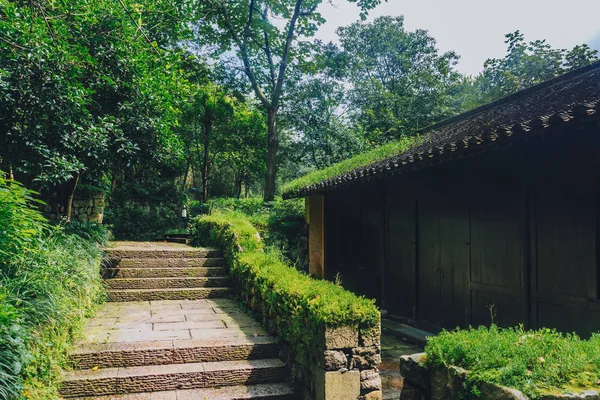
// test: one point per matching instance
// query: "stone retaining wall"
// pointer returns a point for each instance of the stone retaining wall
(87, 207)
(422, 383)
(344, 364)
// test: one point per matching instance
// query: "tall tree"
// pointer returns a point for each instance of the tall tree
(400, 81)
(265, 49)
(526, 64)
(85, 88)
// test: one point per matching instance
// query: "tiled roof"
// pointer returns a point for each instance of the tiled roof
(570, 98)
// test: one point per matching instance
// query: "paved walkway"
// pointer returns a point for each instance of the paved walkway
(199, 345)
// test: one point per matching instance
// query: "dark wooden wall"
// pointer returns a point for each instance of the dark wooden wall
(510, 235)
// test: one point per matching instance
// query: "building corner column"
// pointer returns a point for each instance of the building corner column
(315, 218)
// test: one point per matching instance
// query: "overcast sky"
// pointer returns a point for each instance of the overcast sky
(475, 28)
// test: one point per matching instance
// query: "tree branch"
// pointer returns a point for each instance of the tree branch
(245, 56)
(139, 28)
(268, 51)
(286, 52)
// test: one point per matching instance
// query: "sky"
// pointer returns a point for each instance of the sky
(475, 29)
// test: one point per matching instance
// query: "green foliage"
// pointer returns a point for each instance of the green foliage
(535, 362)
(302, 305)
(281, 224)
(400, 81)
(145, 209)
(49, 280)
(358, 161)
(90, 88)
(90, 231)
(527, 64)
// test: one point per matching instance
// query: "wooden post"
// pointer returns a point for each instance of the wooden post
(315, 218)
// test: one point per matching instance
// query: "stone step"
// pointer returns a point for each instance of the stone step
(113, 355)
(271, 391)
(167, 283)
(191, 272)
(162, 252)
(166, 262)
(171, 377)
(166, 294)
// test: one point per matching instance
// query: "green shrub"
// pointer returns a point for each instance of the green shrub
(49, 281)
(90, 231)
(536, 362)
(302, 305)
(144, 211)
(280, 224)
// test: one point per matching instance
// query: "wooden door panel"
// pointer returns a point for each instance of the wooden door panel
(454, 263)
(400, 279)
(429, 290)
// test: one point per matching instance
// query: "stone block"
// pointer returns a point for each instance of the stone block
(366, 357)
(343, 337)
(413, 370)
(370, 380)
(337, 385)
(374, 395)
(497, 392)
(371, 337)
(413, 392)
(334, 360)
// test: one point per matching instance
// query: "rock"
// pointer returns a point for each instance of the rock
(496, 392)
(334, 360)
(413, 370)
(370, 380)
(366, 357)
(412, 392)
(374, 395)
(337, 385)
(587, 395)
(371, 337)
(343, 337)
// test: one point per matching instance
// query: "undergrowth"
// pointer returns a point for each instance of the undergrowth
(535, 362)
(281, 223)
(361, 160)
(49, 281)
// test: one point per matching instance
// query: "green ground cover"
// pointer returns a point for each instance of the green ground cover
(281, 223)
(361, 160)
(49, 281)
(535, 362)
(302, 305)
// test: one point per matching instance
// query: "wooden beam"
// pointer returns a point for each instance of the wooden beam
(315, 218)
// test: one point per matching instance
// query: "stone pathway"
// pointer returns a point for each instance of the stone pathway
(197, 344)
(391, 349)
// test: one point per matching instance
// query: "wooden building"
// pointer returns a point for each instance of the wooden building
(494, 216)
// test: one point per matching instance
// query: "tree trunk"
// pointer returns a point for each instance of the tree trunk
(207, 129)
(69, 207)
(185, 177)
(238, 186)
(272, 148)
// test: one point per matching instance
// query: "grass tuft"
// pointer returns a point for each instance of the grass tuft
(361, 160)
(538, 363)
(49, 281)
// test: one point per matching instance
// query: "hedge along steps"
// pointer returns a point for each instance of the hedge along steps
(326, 329)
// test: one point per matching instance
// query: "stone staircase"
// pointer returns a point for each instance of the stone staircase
(169, 332)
